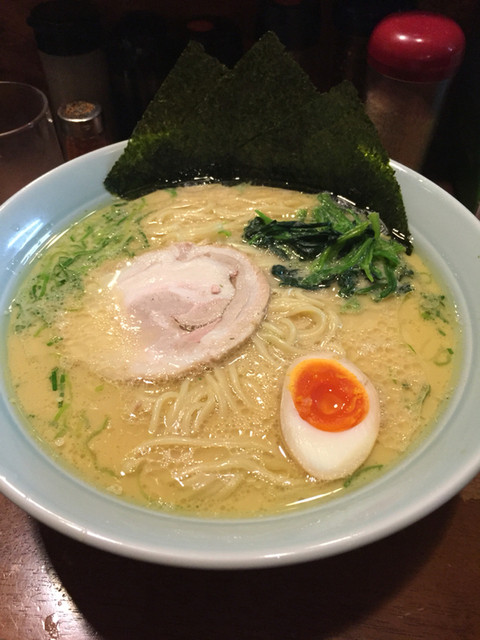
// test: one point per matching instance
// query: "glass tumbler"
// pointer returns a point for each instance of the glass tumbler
(28, 143)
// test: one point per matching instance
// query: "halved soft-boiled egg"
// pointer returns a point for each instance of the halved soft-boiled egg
(330, 415)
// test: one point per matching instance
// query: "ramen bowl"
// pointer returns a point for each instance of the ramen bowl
(432, 472)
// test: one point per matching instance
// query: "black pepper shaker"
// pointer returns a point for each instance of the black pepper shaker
(70, 36)
(81, 127)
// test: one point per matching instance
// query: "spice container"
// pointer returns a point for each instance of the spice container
(81, 128)
(70, 37)
(412, 57)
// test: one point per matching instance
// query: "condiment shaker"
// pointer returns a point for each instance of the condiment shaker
(412, 57)
(69, 36)
(81, 128)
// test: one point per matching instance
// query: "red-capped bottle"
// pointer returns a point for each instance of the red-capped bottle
(412, 58)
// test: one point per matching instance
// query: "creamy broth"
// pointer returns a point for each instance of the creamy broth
(209, 443)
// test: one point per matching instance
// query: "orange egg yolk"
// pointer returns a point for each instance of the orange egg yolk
(327, 395)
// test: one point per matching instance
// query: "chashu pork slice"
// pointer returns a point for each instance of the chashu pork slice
(171, 311)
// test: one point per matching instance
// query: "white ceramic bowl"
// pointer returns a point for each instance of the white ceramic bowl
(444, 230)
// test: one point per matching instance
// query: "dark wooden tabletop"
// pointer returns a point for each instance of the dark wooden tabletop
(422, 583)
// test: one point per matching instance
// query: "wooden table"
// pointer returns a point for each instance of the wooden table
(420, 584)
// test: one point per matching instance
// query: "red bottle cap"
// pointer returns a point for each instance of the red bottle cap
(416, 46)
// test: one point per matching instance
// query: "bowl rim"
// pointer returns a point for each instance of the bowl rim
(376, 510)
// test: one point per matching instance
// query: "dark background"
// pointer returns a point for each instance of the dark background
(422, 583)
(339, 52)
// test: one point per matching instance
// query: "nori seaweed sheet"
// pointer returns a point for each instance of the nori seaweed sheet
(262, 122)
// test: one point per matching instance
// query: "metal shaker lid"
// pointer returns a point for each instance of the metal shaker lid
(80, 118)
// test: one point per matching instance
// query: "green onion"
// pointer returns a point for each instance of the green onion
(348, 481)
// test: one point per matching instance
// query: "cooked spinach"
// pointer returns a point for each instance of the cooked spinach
(334, 242)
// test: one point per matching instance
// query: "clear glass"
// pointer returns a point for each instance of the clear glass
(28, 143)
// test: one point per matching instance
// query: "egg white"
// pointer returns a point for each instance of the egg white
(323, 454)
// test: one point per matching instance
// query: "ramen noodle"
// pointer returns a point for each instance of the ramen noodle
(208, 442)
